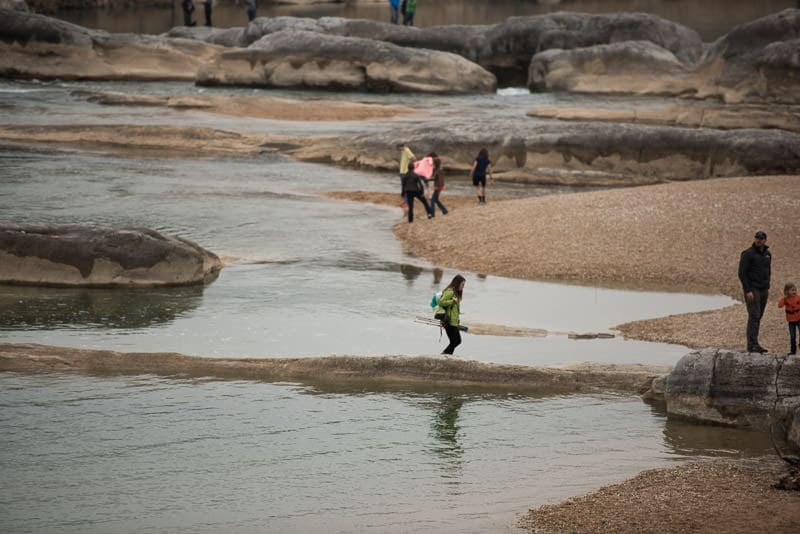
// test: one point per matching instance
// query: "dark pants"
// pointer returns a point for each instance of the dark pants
(455, 339)
(251, 13)
(755, 310)
(436, 202)
(188, 9)
(410, 201)
(393, 14)
(207, 11)
(408, 19)
(794, 328)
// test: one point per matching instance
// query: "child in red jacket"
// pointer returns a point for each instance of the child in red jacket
(791, 301)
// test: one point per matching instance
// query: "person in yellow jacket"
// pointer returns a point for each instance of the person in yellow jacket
(450, 305)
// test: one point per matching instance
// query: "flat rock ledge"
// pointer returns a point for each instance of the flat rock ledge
(380, 372)
(756, 391)
(93, 255)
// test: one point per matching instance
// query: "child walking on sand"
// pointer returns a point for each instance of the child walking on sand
(438, 186)
(481, 168)
(791, 301)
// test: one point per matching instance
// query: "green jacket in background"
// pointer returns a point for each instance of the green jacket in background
(449, 304)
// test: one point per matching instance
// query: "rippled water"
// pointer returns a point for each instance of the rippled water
(308, 276)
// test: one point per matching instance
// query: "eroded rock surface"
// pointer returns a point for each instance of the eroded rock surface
(757, 61)
(314, 60)
(35, 46)
(90, 255)
(748, 390)
(577, 153)
(505, 49)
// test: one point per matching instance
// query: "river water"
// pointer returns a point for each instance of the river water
(307, 276)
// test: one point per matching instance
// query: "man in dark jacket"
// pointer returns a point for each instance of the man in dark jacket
(754, 272)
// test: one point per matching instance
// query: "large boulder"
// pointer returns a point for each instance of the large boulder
(759, 60)
(757, 391)
(35, 46)
(629, 67)
(505, 49)
(304, 59)
(91, 255)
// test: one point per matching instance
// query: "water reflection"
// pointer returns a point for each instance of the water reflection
(688, 438)
(36, 308)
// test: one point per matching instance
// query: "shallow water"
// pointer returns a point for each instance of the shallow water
(147, 454)
(308, 276)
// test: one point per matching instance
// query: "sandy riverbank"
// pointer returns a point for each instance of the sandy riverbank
(681, 236)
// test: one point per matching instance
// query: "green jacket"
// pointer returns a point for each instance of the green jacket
(449, 304)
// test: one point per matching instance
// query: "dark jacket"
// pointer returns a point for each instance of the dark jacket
(412, 183)
(755, 268)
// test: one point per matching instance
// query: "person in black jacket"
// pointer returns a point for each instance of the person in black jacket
(755, 266)
(412, 187)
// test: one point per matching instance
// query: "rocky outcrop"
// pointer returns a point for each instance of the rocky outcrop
(757, 61)
(505, 49)
(305, 59)
(738, 389)
(578, 153)
(35, 46)
(90, 255)
(629, 67)
(381, 372)
(705, 114)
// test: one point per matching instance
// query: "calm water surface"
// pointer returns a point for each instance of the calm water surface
(307, 276)
(145, 454)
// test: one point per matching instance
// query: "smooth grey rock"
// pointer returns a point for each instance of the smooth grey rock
(599, 67)
(23, 27)
(581, 153)
(35, 46)
(93, 255)
(292, 58)
(758, 60)
(747, 390)
(505, 49)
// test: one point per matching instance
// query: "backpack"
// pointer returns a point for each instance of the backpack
(439, 313)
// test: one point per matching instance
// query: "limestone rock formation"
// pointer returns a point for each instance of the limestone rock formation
(505, 49)
(758, 391)
(755, 61)
(579, 153)
(91, 255)
(35, 46)
(629, 67)
(306, 59)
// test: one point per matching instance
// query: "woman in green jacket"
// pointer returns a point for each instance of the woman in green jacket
(450, 305)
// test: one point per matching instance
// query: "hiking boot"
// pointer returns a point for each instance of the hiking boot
(760, 350)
